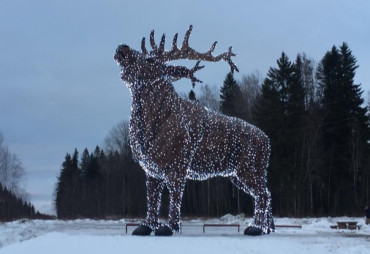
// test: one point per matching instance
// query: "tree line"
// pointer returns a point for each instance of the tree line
(13, 207)
(319, 129)
(112, 185)
(13, 199)
(99, 186)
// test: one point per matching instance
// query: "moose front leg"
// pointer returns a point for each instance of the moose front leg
(154, 188)
(176, 188)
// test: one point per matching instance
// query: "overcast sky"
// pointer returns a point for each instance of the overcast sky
(60, 87)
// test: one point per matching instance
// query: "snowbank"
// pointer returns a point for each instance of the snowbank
(88, 236)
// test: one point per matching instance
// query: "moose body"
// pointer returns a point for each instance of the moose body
(175, 139)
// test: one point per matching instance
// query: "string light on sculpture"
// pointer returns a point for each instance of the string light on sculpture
(175, 139)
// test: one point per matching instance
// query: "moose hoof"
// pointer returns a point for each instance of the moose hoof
(163, 231)
(142, 230)
(253, 231)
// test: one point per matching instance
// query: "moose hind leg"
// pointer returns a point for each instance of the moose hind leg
(263, 221)
(154, 188)
(262, 212)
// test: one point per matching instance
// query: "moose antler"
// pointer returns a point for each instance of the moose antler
(186, 52)
(178, 72)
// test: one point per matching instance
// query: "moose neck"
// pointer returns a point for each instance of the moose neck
(147, 94)
(153, 103)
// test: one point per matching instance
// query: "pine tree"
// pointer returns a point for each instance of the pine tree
(345, 129)
(279, 112)
(68, 191)
(62, 192)
(230, 103)
(192, 96)
(296, 93)
(85, 163)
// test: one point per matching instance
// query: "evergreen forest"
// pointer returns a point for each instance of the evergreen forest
(13, 207)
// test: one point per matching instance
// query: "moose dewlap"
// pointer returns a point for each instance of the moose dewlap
(174, 139)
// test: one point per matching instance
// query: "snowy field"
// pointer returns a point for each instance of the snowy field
(88, 236)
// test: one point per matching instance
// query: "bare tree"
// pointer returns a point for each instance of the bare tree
(209, 97)
(308, 79)
(250, 86)
(11, 170)
(118, 138)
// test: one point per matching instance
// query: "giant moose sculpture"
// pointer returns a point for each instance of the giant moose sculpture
(174, 139)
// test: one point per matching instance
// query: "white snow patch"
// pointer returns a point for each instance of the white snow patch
(89, 236)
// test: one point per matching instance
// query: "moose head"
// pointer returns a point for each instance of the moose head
(174, 139)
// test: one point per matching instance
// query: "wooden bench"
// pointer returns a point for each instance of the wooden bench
(288, 226)
(352, 225)
(220, 225)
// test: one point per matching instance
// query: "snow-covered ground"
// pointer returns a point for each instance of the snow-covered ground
(88, 236)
